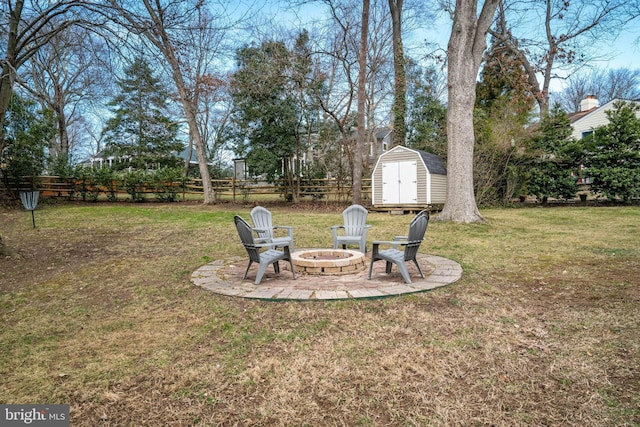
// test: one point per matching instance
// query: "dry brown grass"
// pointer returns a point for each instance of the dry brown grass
(543, 328)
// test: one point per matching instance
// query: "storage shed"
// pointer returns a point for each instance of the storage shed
(405, 177)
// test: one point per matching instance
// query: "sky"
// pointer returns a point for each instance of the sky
(623, 53)
(626, 51)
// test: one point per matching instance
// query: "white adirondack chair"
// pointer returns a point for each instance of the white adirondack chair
(263, 225)
(354, 229)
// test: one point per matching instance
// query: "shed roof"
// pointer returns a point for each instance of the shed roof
(433, 162)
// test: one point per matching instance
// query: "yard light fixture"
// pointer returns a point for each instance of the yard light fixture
(29, 200)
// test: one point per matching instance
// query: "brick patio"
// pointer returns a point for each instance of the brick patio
(225, 277)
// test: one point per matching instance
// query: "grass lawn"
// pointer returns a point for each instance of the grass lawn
(543, 328)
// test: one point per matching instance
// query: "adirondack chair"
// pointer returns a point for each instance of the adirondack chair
(354, 229)
(411, 243)
(264, 259)
(398, 239)
(263, 225)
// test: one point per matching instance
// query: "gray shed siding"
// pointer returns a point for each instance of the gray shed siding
(429, 185)
(438, 188)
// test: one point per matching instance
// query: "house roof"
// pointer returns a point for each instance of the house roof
(194, 155)
(587, 121)
(574, 117)
(182, 154)
(579, 115)
(381, 133)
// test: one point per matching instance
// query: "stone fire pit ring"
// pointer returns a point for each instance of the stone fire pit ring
(330, 262)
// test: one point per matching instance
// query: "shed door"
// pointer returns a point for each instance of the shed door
(400, 182)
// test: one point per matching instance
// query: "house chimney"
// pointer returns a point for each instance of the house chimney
(589, 102)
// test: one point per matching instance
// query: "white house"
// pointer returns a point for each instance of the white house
(591, 116)
(99, 160)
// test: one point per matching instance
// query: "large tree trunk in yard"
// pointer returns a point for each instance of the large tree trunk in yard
(6, 91)
(361, 136)
(466, 46)
(400, 76)
(207, 186)
(9, 66)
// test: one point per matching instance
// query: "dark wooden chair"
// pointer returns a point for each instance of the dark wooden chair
(411, 243)
(263, 259)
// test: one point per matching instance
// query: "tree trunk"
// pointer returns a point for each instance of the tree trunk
(362, 87)
(6, 91)
(63, 135)
(194, 133)
(9, 66)
(400, 78)
(466, 46)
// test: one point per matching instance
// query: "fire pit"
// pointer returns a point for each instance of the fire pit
(328, 261)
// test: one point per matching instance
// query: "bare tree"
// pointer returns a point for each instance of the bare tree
(214, 112)
(62, 75)
(467, 44)
(379, 78)
(571, 31)
(606, 85)
(164, 25)
(26, 28)
(210, 88)
(338, 61)
(362, 88)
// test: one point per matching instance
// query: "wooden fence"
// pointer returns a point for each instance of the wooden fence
(235, 190)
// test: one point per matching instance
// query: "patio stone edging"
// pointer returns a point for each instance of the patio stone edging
(224, 278)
